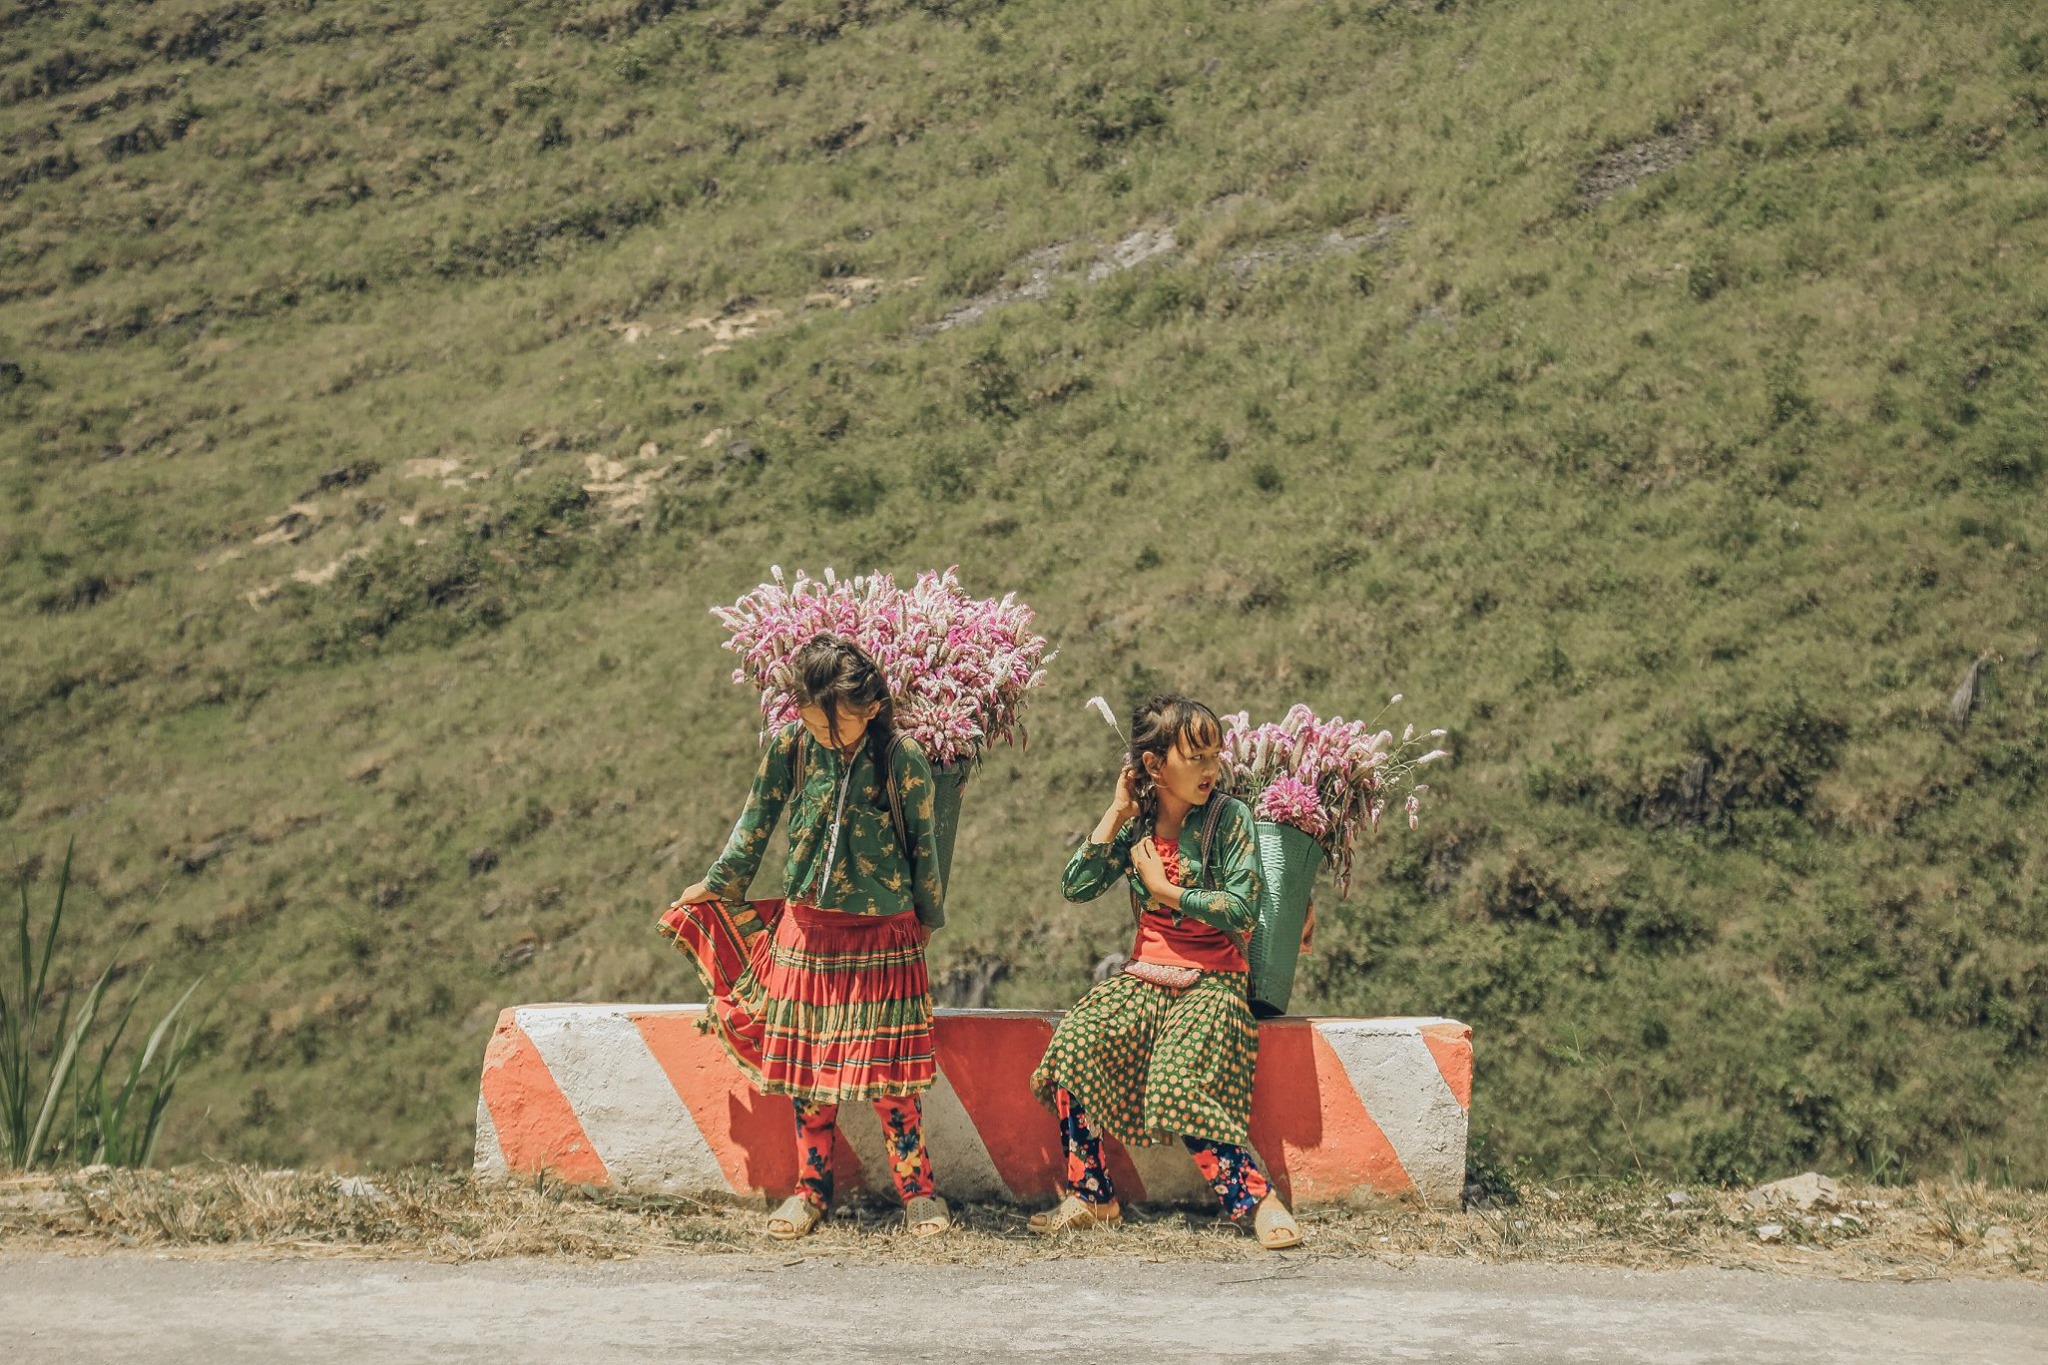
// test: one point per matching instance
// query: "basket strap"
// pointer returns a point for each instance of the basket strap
(1209, 840)
(1238, 941)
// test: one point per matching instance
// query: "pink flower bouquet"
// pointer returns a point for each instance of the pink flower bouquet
(958, 667)
(1326, 778)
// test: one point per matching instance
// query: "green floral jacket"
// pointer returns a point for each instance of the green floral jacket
(1232, 907)
(843, 853)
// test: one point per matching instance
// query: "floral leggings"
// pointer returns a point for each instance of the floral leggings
(1231, 1170)
(902, 1116)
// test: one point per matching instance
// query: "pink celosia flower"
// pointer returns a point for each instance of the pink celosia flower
(958, 667)
(1329, 778)
(1291, 801)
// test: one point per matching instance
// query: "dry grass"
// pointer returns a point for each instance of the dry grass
(1924, 1231)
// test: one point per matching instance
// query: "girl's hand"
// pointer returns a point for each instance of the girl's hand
(696, 894)
(1125, 806)
(1121, 812)
(1151, 869)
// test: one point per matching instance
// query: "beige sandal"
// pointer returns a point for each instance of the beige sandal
(1275, 1226)
(797, 1217)
(1075, 1213)
(927, 1216)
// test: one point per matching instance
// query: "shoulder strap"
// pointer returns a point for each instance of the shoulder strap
(1208, 878)
(1241, 942)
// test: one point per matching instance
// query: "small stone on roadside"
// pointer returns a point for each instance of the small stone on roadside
(1999, 1241)
(1771, 1232)
(1804, 1192)
(1677, 1199)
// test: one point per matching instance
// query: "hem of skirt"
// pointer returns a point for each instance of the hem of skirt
(1150, 1138)
(1241, 1138)
(717, 1028)
(1051, 1106)
(675, 941)
(876, 1091)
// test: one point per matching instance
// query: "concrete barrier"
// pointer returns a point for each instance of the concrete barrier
(636, 1096)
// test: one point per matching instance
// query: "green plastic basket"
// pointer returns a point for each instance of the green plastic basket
(1288, 863)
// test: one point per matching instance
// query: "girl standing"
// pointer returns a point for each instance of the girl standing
(825, 997)
(1167, 1047)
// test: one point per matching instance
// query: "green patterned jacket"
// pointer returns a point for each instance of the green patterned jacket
(1232, 907)
(861, 871)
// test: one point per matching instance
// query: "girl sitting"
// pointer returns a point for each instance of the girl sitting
(825, 997)
(1167, 1047)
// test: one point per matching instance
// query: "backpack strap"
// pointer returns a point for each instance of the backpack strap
(1207, 882)
(1241, 942)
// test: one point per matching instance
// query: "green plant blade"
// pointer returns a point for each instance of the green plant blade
(60, 1071)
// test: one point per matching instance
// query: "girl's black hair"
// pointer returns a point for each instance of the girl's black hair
(832, 671)
(1157, 725)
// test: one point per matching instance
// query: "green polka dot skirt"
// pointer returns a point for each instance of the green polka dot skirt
(1151, 1063)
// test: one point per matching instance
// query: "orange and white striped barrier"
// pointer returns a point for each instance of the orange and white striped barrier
(637, 1097)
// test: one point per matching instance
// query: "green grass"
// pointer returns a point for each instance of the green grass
(63, 1097)
(1685, 503)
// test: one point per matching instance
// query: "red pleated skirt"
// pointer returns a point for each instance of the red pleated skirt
(813, 1003)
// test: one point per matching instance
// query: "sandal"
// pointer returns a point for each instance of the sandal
(797, 1217)
(1076, 1213)
(927, 1216)
(1275, 1226)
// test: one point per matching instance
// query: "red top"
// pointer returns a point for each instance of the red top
(1189, 943)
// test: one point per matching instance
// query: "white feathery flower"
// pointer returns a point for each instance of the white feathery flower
(1101, 708)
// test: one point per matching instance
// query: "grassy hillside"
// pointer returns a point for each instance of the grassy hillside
(1650, 393)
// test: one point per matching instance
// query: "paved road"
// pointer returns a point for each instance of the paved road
(134, 1308)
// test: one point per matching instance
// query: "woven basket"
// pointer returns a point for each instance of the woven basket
(1288, 863)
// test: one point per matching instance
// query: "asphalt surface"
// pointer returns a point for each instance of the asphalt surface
(134, 1307)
